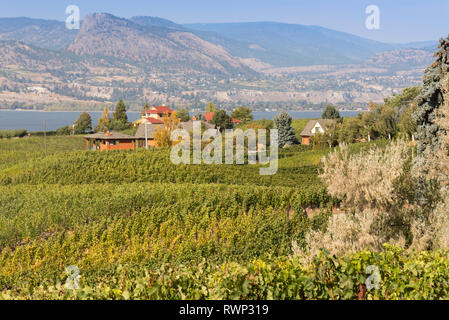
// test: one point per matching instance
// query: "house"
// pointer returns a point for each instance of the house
(313, 127)
(157, 112)
(151, 127)
(208, 116)
(154, 124)
(109, 141)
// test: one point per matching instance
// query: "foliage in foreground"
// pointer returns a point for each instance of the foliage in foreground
(421, 275)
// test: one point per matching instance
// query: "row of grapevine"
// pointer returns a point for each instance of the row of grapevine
(391, 274)
(28, 211)
(155, 166)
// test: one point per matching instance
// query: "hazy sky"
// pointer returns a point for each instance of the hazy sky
(400, 20)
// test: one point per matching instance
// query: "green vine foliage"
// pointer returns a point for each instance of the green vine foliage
(414, 276)
(139, 227)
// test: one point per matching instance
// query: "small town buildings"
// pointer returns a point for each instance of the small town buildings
(313, 127)
(110, 140)
(150, 121)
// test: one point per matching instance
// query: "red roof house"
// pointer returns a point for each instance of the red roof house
(154, 120)
(208, 116)
(160, 110)
(157, 112)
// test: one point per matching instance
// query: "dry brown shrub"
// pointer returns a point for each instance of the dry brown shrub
(366, 180)
(367, 184)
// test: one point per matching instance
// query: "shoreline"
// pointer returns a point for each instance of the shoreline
(131, 111)
(15, 110)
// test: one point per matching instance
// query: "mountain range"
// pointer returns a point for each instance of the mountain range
(132, 51)
(152, 38)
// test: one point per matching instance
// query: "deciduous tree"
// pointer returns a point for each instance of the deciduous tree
(104, 122)
(162, 136)
(330, 112)
(211, 108)
(183, 115)
(243, 114)
(222, 120)
(83, 124)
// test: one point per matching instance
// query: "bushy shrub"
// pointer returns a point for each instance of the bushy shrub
(64, 131)
(378, 209)
(7, 134)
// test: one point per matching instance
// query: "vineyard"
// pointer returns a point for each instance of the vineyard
(138, 227)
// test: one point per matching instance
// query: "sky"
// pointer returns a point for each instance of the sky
(399, 20)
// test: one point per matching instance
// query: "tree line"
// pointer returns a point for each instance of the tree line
(391, 119)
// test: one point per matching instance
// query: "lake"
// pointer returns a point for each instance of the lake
(34, 120)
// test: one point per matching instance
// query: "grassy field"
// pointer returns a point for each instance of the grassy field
(14, 151)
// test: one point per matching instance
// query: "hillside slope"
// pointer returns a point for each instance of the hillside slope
(160, 47)
(48, 34)
(284, 45)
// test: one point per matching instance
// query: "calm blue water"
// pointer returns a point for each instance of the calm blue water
(258, 115)
(34, 120)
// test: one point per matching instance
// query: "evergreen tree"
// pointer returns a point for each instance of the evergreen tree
(120, 119)
(330, 112)
(83, 124)
(430, 99)
(283, 123)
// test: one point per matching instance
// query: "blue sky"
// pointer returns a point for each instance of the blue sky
(400, 20)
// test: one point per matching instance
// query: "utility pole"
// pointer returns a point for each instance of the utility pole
(45, 136)
(146, 131)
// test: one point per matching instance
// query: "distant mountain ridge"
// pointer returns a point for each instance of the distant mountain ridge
(155, 45)
(286, 45)
(277, 44)
(48, 34)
